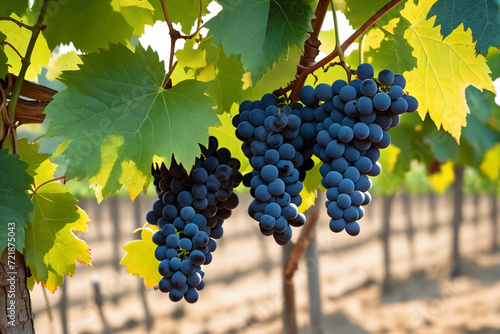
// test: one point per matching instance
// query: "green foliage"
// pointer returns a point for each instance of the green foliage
(481, 16)
(118, 116)
(17, 7)
(15, 203)
(88, 24)
(3, 57)
(51, 246)
(261, 31)
(183, 12)
(359, 11)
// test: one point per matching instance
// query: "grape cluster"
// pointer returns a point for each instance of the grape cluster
(190, 212)
(351, 123)
(269, 138)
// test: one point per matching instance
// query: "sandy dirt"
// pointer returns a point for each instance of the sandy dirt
(243, 283)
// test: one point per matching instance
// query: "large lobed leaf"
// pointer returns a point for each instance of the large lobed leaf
(445, 68)
(15, 203)
(481, 16)
(184, 12)
(359, 11)
(261, 31)
(140, 259)
(51, 246)
(117, 116)
(17, 7)
(89, 24)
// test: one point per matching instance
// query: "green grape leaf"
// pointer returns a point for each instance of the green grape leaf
(261, 31)
(3, 57)
(20, 38)
(227, 87)
(17, 7)
(140, 259)
(51, 246)
(117, 116)
(90, 24)
(280, 75)
(493, 59)
(137, 13)
(225, 136)
(15, 203)
(477, 132)
(394, 53)
(184, 12)
(445, 69)
(359, 11)
(443, 146)
(481, 16)
(28, 152)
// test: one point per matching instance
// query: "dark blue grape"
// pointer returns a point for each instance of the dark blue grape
(412, 103)
(350, 109)
(334, 211)
(257, 117)
(361, 130)
(365, 71)
(386, 77)
(368, 88)
(306, 95)
(351, 214)
(245, 129)
(363, 164)
(381, 101)
(345, 134)
(357, 198)
(323, 92)
(396, 92)
(335, 149)
(347, 93)
(364, 105)
(352, 228)
(399, 106)
(152, 218)
(337, 225)
(399, 80)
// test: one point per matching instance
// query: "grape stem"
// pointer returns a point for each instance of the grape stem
(175, 35)
(362, 48)
(19, 23)
(337, 44)
(13, 48)
(304, 71)
(26, 61)
(63, 178)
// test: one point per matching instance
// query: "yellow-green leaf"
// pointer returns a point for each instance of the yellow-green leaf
(225, 135)
(445, 68)
(19, 38)
(51, 246)
(65, 62)
(490, 166)
(312, 183)
(441, 180)
(140, 259)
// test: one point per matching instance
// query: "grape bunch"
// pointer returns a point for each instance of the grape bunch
(348, 140)
(190, 212)
(269, 138)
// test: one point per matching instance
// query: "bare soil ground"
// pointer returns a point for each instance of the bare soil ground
(243, 283)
